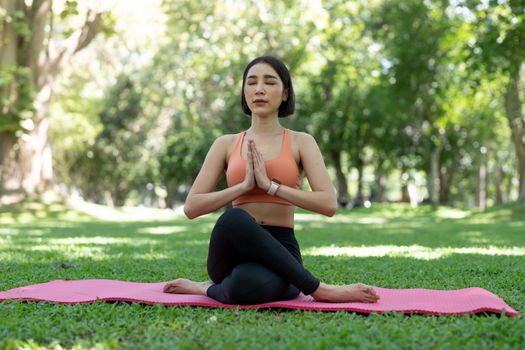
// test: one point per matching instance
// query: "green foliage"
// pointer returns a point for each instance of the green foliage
(500, 39)
(456, 249)
(16, 113)
(20, 25)
(415, 52)
(380, 85)
(185, 149)
(119, 158)
(109, 22)
(70, 9)
(75, 124)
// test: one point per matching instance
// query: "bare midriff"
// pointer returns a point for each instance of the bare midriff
(271, 213)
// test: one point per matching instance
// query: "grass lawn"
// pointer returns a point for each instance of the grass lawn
(390, 246)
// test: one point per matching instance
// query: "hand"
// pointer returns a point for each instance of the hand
(249, 178)
(259, 169)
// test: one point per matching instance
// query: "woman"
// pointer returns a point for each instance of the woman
(253, 254)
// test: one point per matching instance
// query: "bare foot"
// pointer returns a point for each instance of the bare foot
(185, 286)
(358, 292)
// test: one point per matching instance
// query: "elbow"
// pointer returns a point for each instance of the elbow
(330, 211)
(189, 211)
(331, 208)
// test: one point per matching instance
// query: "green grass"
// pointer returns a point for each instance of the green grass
(391, 246)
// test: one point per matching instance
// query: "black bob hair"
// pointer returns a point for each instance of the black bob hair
(287, 107)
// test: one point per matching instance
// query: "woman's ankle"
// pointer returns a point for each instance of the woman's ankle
(320, 292)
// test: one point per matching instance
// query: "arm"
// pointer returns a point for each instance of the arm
(202, 198)
(322, 199)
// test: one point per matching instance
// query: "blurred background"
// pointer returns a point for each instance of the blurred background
(117, 102)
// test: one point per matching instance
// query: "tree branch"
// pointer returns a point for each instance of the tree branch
(78, 40)
(90, 29)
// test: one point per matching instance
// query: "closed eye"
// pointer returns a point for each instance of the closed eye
(267, 83)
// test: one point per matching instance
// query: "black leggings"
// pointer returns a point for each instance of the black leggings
(253, 264)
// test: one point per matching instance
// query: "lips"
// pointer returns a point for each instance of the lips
(260, 101)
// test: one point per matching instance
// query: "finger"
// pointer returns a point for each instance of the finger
(255, 150)
(248, 149)
(252, 160)
(249, 164)
(372, 299)
(254, 147)
(257, 159)
(255, 155)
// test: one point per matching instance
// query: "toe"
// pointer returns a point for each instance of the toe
(168, 287)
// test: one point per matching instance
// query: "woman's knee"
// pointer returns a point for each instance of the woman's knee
(234, 216)
(252, 283)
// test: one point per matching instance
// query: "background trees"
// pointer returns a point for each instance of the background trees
(419, 95)
(37, 39)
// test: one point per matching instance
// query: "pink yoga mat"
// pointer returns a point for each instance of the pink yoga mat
(423, 301)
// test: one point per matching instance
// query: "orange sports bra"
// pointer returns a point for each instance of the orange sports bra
(282, 168)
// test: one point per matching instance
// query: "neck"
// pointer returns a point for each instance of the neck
(262, 126)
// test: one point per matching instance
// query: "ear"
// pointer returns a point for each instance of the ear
(285, 94)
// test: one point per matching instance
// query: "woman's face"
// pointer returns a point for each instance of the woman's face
(263, 90)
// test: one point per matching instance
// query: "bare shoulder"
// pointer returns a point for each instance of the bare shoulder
(225, 140)
(303, 139)
(302, 145)
(226, 143)
(220, 146)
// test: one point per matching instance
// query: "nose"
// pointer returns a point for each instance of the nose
(259, 88)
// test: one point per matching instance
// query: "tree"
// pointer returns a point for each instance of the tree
(500, 47)
(414, 34)
(200, 70)
(337, 90)
(35, 43)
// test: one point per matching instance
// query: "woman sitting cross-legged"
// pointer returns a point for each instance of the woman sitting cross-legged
(253, 254)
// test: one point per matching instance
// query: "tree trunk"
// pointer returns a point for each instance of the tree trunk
(342, 187)
(26, 162)
(446, 177)
(405, 197)
(379, 193)
(498, 179)
(445, 182)
(9, 188)
(360, 166)
(433, 177)
(380, 196)
(517, 125)
(482, 188)
(9, 173)
(171, 189)
(35, 157)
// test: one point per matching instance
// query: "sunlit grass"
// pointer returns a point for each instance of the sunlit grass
(393, 246)
(102, 212)
(413, 251)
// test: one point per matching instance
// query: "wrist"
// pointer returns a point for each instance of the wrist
(245, 187)
(274, 186)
